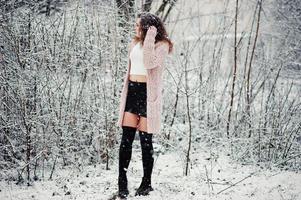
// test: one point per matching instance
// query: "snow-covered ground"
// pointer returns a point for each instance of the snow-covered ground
(212, 174)
(206, 180)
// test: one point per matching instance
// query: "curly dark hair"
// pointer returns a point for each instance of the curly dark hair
(148, 19)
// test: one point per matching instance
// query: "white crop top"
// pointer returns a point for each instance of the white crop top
(136, 56)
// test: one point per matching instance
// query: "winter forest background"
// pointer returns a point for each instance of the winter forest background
(231, 95)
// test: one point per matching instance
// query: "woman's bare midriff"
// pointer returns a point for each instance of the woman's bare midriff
(138, 78)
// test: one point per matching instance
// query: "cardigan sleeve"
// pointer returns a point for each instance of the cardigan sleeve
(153, 57)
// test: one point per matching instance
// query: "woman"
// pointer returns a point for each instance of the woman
(141, 98)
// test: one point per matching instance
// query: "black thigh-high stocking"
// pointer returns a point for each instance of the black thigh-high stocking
(125, 154)
(147, 155)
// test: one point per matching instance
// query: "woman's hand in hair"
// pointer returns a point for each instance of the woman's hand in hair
(151, 34)
(152, 30)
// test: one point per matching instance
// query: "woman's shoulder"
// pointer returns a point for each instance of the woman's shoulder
(162, 42)
(132, 44)
(162, 46)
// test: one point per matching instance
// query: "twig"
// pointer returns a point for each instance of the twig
(256, 172)
(208, 180)
(237, 182)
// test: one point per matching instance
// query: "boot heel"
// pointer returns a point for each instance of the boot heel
(144, 188)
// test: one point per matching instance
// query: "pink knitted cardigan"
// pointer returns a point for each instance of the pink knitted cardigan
(153, 59)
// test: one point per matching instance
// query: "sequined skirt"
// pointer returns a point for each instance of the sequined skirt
(136, 98)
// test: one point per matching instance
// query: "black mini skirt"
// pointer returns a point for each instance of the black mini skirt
(136, 98)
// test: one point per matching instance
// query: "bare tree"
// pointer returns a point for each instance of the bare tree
(234, 69)
(161, 10)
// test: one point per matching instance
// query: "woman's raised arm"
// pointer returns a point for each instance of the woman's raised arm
(153, 56)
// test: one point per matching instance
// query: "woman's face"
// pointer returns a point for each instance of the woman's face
(137, 27)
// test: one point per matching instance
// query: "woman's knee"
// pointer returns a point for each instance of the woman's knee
(128, 136)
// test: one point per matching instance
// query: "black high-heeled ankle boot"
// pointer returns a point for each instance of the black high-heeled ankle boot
(125, 154)
(147, 161)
